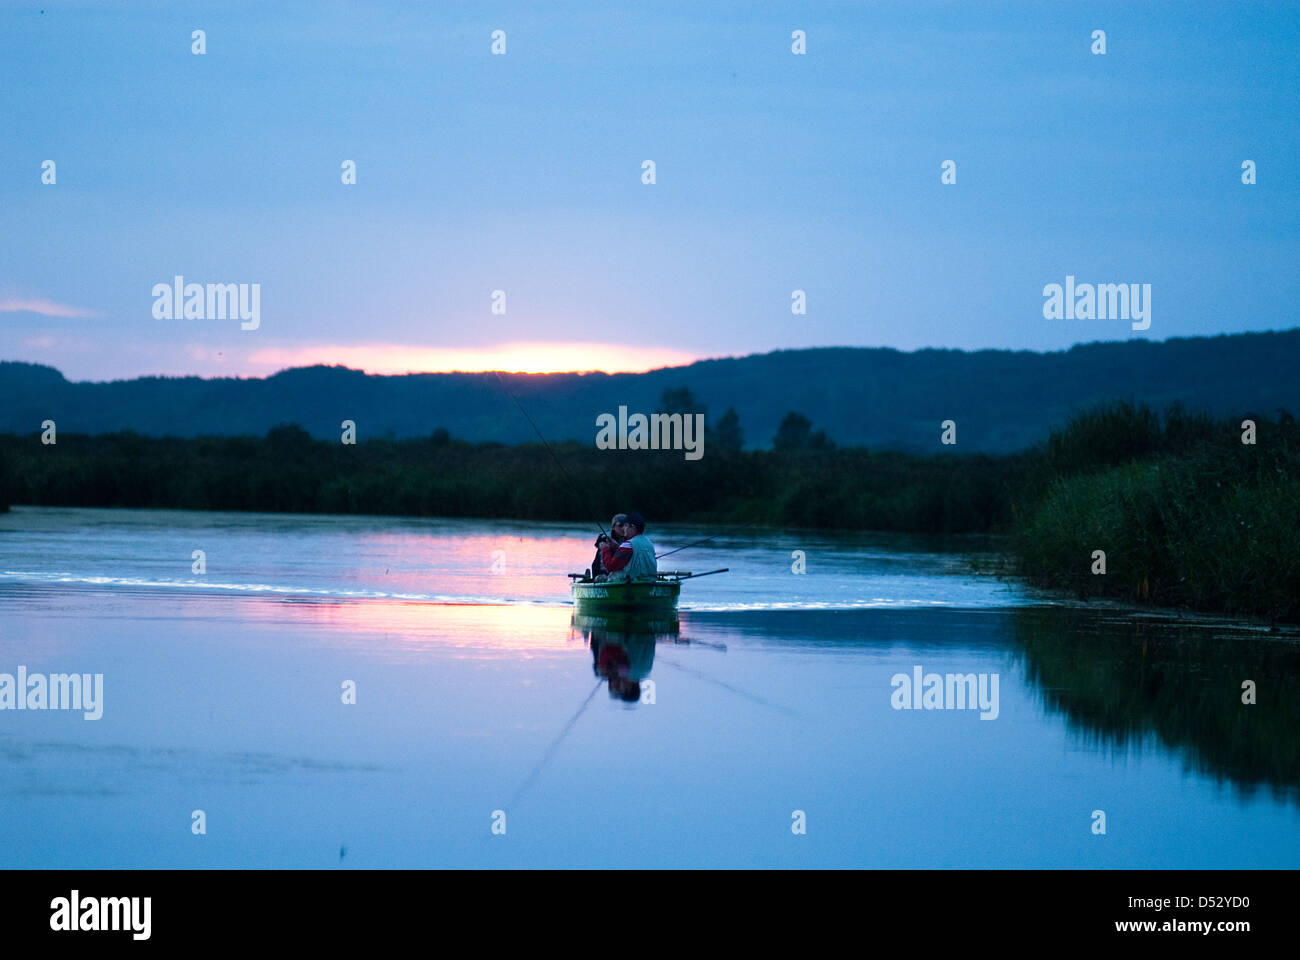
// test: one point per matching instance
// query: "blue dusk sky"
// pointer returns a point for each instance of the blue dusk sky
(522, 172)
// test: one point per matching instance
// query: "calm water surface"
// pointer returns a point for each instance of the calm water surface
(477, 691)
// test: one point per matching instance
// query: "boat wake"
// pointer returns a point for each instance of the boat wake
(209, 587)
(294, 592)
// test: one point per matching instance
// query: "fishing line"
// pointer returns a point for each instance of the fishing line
(736, 690)
(555, 745)
(599, 526)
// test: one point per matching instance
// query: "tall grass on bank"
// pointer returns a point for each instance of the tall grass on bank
(1186, 514)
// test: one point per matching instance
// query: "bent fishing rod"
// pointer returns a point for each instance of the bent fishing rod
(599, 526)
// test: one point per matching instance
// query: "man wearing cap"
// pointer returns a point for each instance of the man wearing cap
(634, 558)
(597, 567)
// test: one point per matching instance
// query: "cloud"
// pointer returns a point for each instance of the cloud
(46, 308)
(520, 357)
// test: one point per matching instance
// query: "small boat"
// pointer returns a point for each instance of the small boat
(651, 597)
(655, 598)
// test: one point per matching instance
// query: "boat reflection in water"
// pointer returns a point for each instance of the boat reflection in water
(623, 648)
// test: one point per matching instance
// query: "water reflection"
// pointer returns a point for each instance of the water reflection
(623, 649)
(1124, 681)
(1121, 681)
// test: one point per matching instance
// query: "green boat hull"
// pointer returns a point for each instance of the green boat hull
(650, 597)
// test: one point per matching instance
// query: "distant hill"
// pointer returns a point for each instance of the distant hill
(1002, 400)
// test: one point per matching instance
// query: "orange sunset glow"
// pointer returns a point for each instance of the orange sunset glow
(396, 631)
(516, 357)
(521, 610)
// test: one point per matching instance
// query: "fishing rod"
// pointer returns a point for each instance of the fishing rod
(573, 486)
(705, 540)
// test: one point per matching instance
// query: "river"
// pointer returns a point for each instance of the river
(370, 692)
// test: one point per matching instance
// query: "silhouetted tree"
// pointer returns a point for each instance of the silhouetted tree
(795, 433)
(289, 438)
(680, 400)
(726, 434)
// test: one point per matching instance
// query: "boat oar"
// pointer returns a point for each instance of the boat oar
(677, 578)
(707, 644)
(692, 576)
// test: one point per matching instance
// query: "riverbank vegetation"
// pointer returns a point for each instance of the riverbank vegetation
(1186, 514)
(289, 471)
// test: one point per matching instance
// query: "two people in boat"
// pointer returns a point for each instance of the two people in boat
(628, 554)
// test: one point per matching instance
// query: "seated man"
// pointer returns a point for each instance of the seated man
(634, 558)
